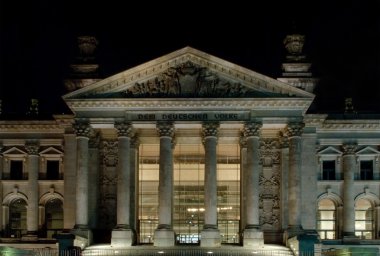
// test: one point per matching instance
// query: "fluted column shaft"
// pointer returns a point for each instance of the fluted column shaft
(165, 186)
(210, 137)
(32, 215)
(252, 175)
(294, 131)
(81, 217)
(134, 163)
(349, 164)
(124, 175)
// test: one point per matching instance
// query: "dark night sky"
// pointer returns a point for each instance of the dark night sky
(38, 42)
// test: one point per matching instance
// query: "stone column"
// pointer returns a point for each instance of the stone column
(123, 235)
(243, 166)
(164, 234)
(294, 131)
(349, 166)
(32, 213)
(1, 188)
(69, 172)
(93, 181)
(253, 236)
(210, 235)
(134, 161)
(81, 228)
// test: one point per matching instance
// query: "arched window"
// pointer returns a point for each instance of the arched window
(53, 217)
(326, 219)
(17, 218)
(364, 219)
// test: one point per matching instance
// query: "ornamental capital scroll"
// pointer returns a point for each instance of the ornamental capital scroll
(165, 129)
(82, 129)
(124, 129)
(295, 129)
(252, 129)
(32, 148)
(349, 149)
(210, 129)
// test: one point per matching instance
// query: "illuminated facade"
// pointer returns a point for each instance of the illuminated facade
(192, 149)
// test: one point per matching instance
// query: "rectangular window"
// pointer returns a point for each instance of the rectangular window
(328, 170)
(16, 170)
(52, 170)
(366, 170)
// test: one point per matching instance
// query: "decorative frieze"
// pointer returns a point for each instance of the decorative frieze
(295, 129)
(165, 129)
(82, 129)
(124, 129)
(210, 129)
(252, 129)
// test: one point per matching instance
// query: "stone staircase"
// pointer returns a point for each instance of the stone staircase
(149, 250)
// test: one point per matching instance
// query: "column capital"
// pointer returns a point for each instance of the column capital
(210, 129)
(295, 129)
(349, 149)
(252, 129)
(82, 128)
(32, 147)
(124, 129)
(165, 129)
(283, 140)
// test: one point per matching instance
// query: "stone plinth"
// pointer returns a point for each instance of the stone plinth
(253, 238)
(164, 238)
(210, 238)
(122, 238)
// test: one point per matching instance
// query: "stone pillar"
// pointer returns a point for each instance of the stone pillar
(81, 228)
(294, 131)
(210, 235)
(69, 172)
(253, 236)
(123, 235)
(1, 189)
(134, 160)
(164, 235)
(93, 181)
(377, 222)
(243, 166)
(349, 166)
(32, 213)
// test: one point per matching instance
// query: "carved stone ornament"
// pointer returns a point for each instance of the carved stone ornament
(189, 80)
(135, 142)
(210, 129)
(110, 152)
(294, 43)
(165, 129)
(252, 129)
(269, 153)
(124, 129)
(32, 148)
(295, 129)
(87, 45)
(349, 149)
(243, 140)
(82, 129)
(94, 139)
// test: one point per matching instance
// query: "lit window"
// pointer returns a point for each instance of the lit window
(363, 219)
(326, 219)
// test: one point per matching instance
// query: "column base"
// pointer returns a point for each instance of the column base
(164, 238)
(253, 238)
(210, 238)
(292, 231)
(31, 236)
(122, 238)
(350, 238)
(83, 236)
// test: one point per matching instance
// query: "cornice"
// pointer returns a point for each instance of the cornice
(352, 125)
(34, 126)
(314, 120)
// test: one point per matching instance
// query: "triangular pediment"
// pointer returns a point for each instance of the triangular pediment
(51, 151)
(368, 151)
(330, 151)
(188, 73)
(14, 151)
